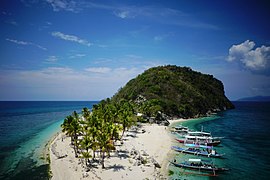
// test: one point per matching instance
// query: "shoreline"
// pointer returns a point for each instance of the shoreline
(153, 146)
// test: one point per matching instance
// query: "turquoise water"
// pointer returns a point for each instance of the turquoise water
(25, 128)
(246, 144)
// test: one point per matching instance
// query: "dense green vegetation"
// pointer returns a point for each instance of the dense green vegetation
(93, 134)
(175, 91)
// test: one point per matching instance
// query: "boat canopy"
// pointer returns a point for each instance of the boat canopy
(199, 134)
(194, 160)
(198, 137)
(198, 146)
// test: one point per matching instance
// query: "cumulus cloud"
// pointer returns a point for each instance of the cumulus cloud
(25, 43)
(253, 59)
(72, 38)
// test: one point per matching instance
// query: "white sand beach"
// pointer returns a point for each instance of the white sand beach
(153, 146)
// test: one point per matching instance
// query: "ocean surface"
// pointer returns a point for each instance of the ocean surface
(25, 129)
(246, 144)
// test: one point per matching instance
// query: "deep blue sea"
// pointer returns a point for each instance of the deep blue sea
(25, 128)
(246, 144)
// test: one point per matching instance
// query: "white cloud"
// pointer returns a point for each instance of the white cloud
(254, 59)
(25, 43)
(63, 83)
(71, 38)
(124, 14)
(103, 61)
(39, 46)
(18, 42)
(162, 37)
(102, 70)
(52, 59)
(162, 15)
(66, 5)
(77, 56)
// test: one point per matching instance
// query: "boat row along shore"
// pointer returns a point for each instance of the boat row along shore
(197, 144)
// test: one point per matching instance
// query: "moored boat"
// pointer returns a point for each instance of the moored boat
(199, 150)
(207, 141)
(180, 129)
(199, 165)
(202, 134)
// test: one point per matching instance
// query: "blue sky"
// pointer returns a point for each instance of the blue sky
(87, 50)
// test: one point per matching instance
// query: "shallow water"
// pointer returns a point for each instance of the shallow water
(25, 128)
(246, 143)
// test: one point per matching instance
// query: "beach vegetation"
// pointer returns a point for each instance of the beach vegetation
(97, 131)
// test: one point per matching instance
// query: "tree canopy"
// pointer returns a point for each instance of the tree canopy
(175, 91)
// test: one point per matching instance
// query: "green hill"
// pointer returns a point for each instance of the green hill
(176, 92)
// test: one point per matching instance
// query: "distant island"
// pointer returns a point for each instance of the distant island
(176, 92)
(256, 98)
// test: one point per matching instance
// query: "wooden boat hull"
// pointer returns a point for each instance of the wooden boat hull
(200, 168)
(214, 143)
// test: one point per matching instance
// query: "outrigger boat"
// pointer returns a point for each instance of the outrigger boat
(200, 134)
(199, 165)
(199, 150)
(207, 141)
(180, 129)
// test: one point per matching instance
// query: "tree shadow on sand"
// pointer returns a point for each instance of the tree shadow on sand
(116, 167)
(123, 154)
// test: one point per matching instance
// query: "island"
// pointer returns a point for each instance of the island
(126, 136)
(256, 99)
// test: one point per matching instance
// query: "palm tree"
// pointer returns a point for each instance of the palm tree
(76, 128)
(86, 113)
(71, 126)
(126, 115)
(66, 125)
(104, 142)
(86, 155)
(85, 144)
